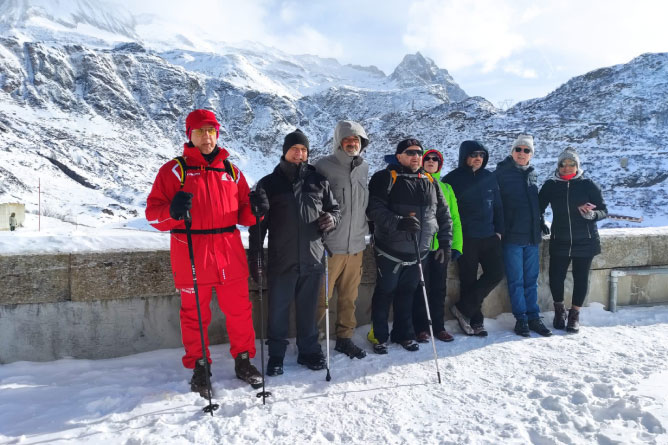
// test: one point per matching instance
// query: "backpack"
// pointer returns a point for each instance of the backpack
(230, 169)
(394, 175)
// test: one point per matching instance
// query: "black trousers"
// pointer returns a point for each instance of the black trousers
(435, 278)
(304, 290)
(580, 269)
(488, 254)
(396, 289)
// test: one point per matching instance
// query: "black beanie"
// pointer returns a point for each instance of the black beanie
(294, 138)
(403, 145)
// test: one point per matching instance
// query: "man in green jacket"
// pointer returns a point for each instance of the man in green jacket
(348, 174)
(435, 266)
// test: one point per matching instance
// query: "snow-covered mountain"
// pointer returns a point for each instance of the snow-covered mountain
(90, 108)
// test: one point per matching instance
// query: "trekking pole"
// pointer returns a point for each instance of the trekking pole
(262, 393)
(326, 253)
(426, 304)
(211, 407)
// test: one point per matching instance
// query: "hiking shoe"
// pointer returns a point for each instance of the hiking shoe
(462, 320)
(522, 328)
(445, 336)
(372, 338)
(349, 348)
(380, 348)
(198, 380)
(245, 370)
(559, 316)
(314, 360)
(538, 327)
(410, 345)
(423, 337)
(274, 366)
(479, 330)
(573, 325)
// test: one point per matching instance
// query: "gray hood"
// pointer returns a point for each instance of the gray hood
(349, 128)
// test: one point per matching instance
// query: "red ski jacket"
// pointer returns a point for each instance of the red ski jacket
(218, 201)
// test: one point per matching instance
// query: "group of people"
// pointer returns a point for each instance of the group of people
(415, 216)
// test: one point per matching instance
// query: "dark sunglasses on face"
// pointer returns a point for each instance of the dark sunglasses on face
(413, 152)
(477, 154)
(431, 158)
(526, 150)
(567, 164)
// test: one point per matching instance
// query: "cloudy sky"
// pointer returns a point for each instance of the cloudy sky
(504, 50)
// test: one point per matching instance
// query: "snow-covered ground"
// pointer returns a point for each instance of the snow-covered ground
(606, 385)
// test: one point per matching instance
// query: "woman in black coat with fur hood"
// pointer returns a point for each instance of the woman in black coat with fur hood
(577, 203)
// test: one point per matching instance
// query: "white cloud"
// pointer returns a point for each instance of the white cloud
(520, 71)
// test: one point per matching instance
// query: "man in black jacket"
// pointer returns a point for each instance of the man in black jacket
(481, 214)
(404, 203)
(519, 193)
(298, 207)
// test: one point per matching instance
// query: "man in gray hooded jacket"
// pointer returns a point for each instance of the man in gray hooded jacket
(347, 173)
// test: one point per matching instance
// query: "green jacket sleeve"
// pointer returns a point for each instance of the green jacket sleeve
(451, 199)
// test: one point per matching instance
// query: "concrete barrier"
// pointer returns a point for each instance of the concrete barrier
(101, 305)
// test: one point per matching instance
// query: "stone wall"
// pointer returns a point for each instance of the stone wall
(99, 305)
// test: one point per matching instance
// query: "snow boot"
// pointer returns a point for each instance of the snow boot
(274, 366)
(559, 315)
(522, 328)
(539, 328)
(410, 345)
(423, 337)
(445, 336)
(314, 361)
(479, 330)
(573, 326)
(380, 348)
(462, 320)
(246, 371)
(346, 346)
(198, 380)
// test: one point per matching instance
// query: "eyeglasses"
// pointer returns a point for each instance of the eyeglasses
(203, 131)
(567, 164)
(431, 158)
(413, 152)
(477, 154)
(525, 150)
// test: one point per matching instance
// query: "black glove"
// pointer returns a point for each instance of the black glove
(259, 202)
(442, 255)
(409, 224)
(455, 254)
(545, 229)
(255, 266)
(181, 203)
(326, 222)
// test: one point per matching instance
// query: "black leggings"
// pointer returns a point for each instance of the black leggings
(580, 269)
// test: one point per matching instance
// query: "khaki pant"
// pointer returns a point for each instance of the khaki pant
(345, 272)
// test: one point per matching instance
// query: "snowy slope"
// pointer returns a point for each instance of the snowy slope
(606, 385)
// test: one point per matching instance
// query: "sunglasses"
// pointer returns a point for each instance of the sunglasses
(413, 152)
(567, 164)
(525, 150)
(477, 154)
(203, 131)
(431, 158)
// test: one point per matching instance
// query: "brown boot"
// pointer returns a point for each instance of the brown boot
(573, 321)
(559, 316)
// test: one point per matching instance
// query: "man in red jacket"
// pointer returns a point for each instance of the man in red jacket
(215, 193)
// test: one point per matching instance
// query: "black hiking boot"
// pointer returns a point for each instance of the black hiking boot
(246, 371)
(573, 326)
(380, 348)
(559, 316)
(314, 361)
(198, 380)
(539, 328)
(479, 330)
(522, 328)
(274, 366)
(410, 345)
(346, 346)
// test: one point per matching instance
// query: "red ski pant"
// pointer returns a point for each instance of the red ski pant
(234, 302)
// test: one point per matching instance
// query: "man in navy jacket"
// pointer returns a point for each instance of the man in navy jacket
(481, 214)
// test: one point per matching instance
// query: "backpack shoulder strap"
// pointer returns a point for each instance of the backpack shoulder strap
(182, 163)
(231, 170)
(393, 179)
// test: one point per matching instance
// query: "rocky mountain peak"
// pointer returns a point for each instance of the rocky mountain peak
(415, 70)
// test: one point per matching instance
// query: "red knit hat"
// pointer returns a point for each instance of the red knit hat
(198, 118)
(437, 153)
